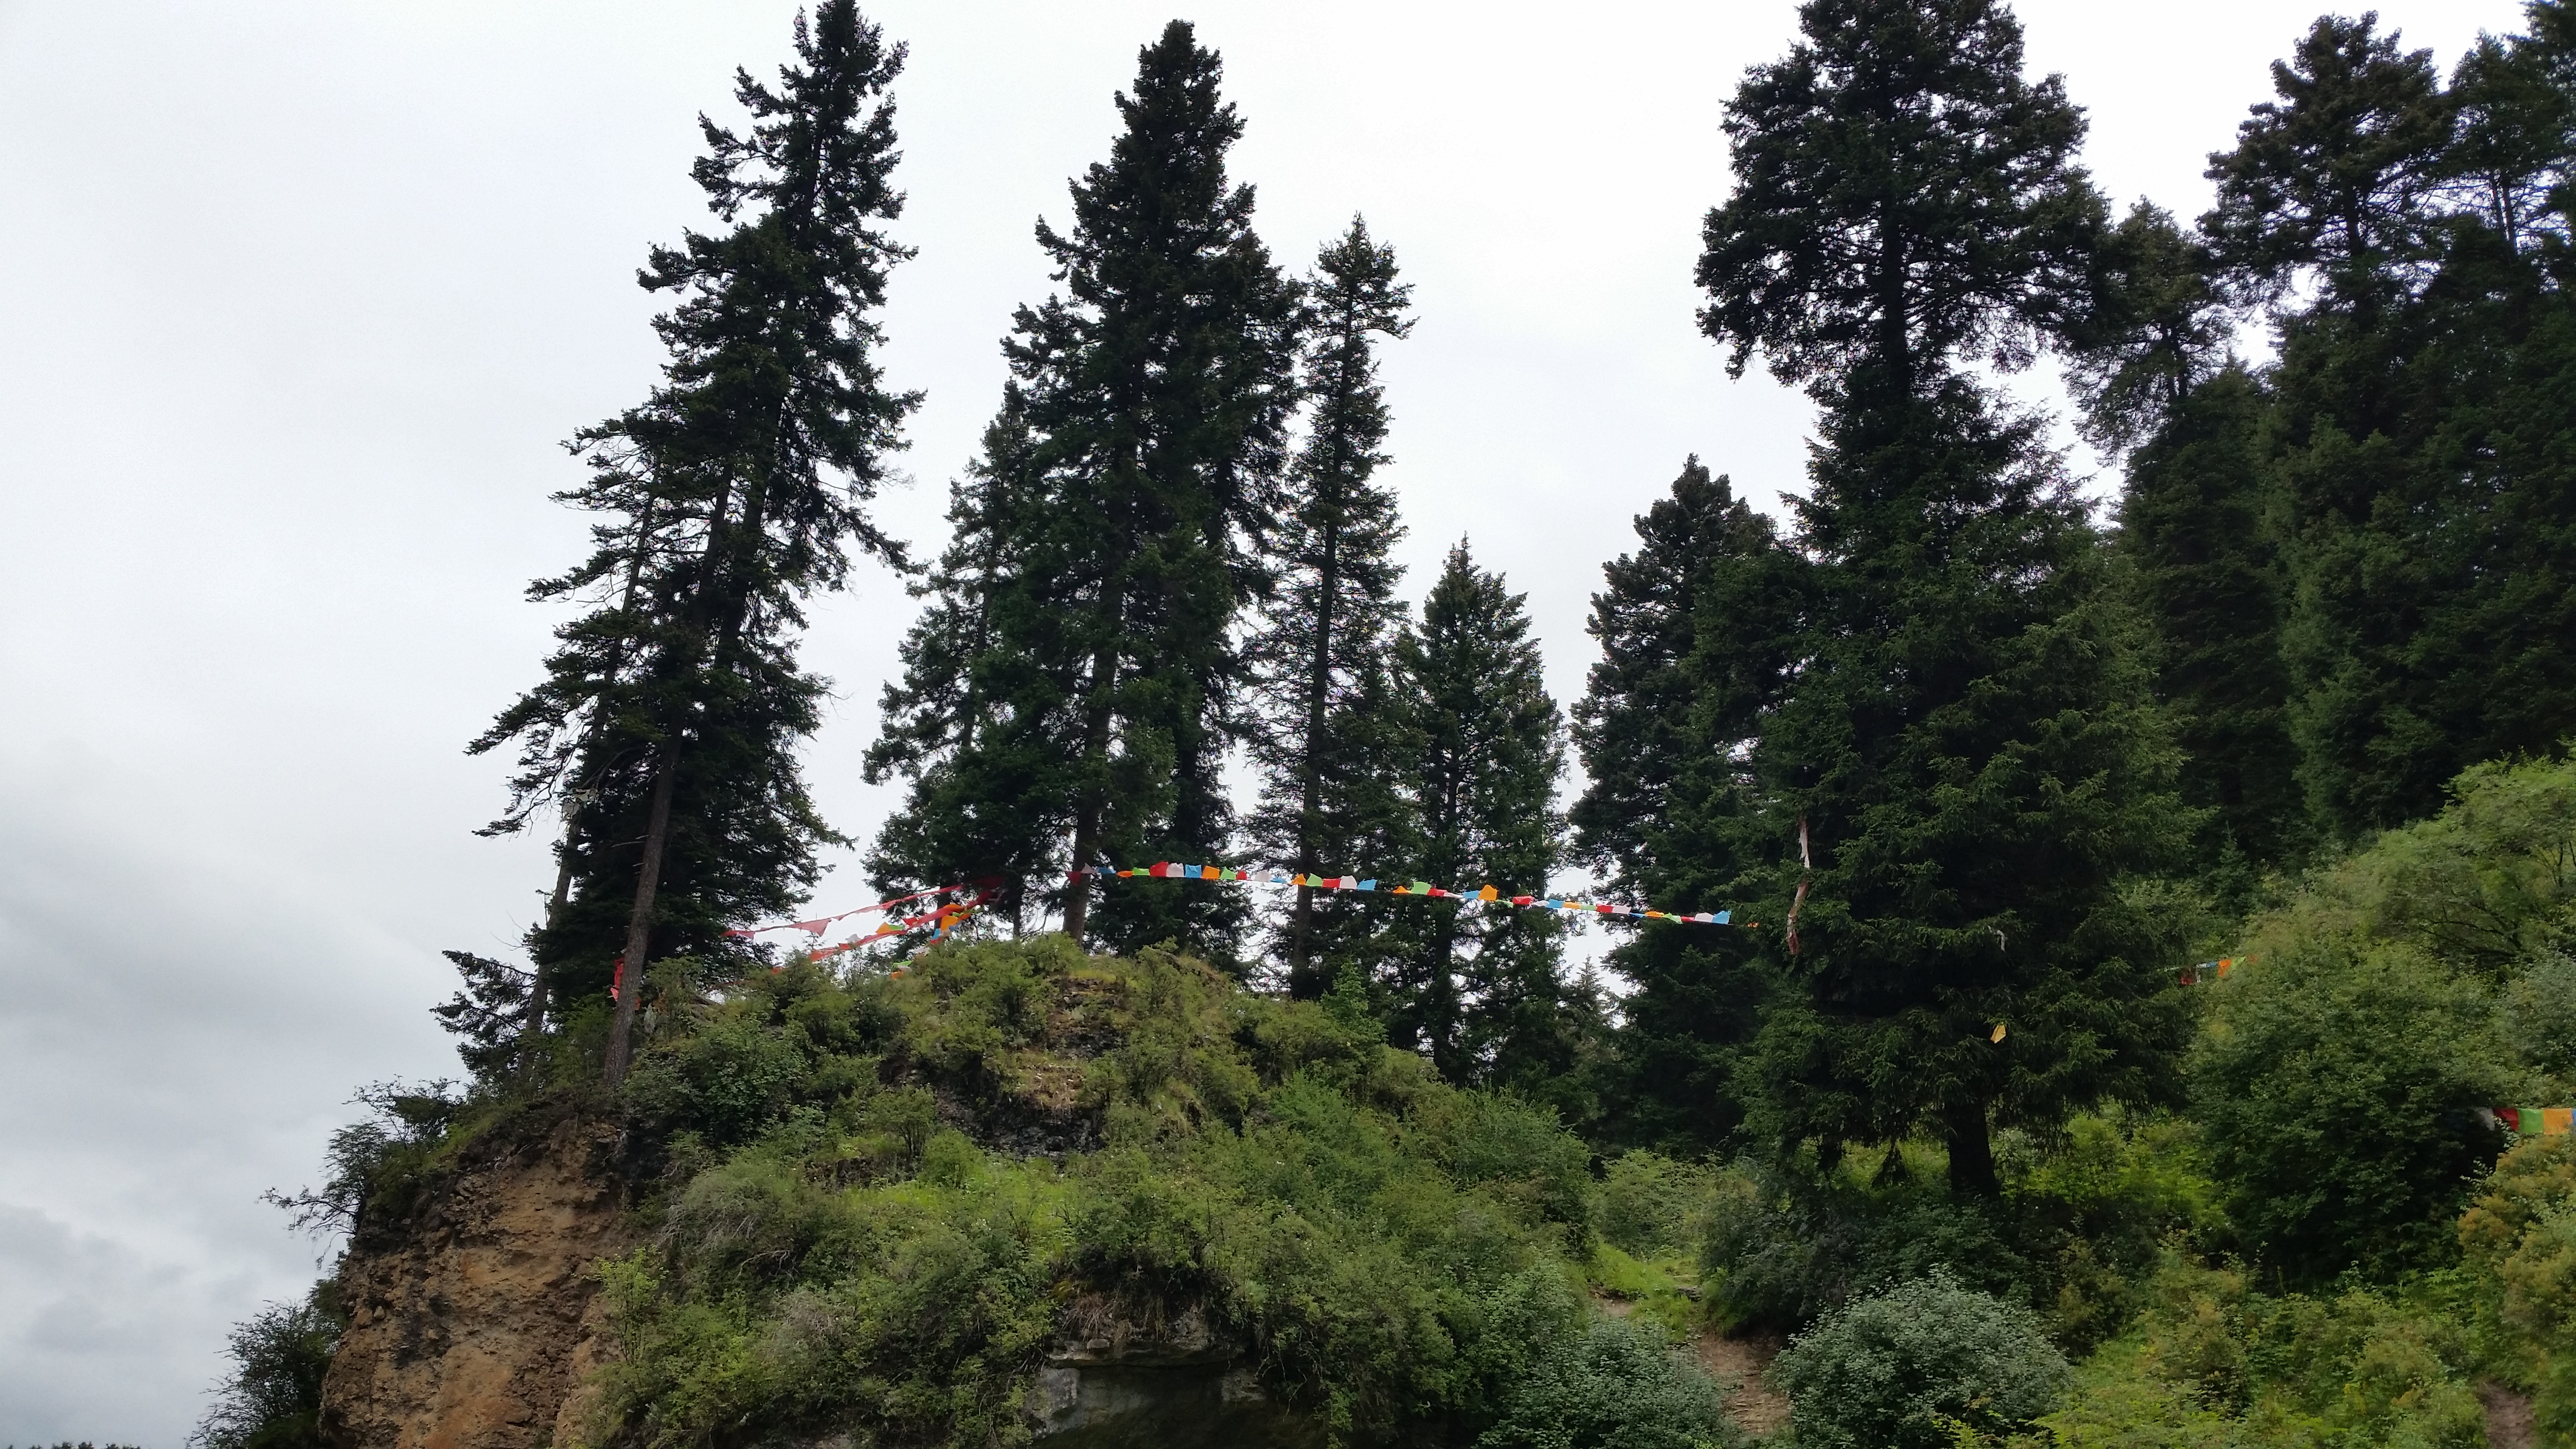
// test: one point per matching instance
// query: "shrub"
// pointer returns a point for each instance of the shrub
(838, 1254)
(2214, 1363)
(1655, 1207)
(2338, 1077)
(2336, 1091)
(1915, 1366)
(722, 1082)
(2540, 1015)
(377, 1164)
(2521, 1233)
(2096, 1214)
(272, 1399)
(1783, 1248)
(1617, 1384)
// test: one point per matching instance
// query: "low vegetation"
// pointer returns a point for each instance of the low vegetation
(885, 1196)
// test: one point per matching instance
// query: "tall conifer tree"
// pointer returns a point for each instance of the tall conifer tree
(1639, 724)
(2199, 527)
(2197, 523)
(1328, 799)
(975, 722)
(2417, 417)
(671, 715)
(1154, 394)
(1691, 628)
(1949, 790)
(1478, 989)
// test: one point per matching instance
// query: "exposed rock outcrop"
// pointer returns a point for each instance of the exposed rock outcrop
(472, 1318)
(1128, 1373)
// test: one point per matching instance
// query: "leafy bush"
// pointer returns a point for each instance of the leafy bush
(722, 1082)
(2214, 1363)
(1784, 1248)
(2342, 1067)
(2484, 886)
(272, 1399)
(836, 1254)
(1917, 1366)
(1653, 1207)
(1618, 1384)
(2521, 1233)
(378, 1162)
(2097, 1214)
(2336, 1090)
(2540, 1016)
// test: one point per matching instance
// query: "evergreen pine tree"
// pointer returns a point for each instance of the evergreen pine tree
(1154, 392)
(1639, 725)
(1691, 629)
(2151, 328)
(2417, 410)
(1328, 800)
(1965, 763)
(2196, 524)
(973, 722)
(1479, 989)
(672, 715)
(2334, 178)
(2198, 527)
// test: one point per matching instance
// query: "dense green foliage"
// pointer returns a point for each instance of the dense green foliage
(843, 1238)
(1122, 515)
(2360, 556)
(1618, 1384)
(1942, 769)
(1478, 989)
(2194, 527)
(1913, 1367)
(2339, 1080)
(1692, 630)
(2214, 1364)
(273, 1397)
(1976, 776)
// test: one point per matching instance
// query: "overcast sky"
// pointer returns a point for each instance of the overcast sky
(306, 295)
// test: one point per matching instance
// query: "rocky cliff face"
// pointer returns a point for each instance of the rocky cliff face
(471, 1319)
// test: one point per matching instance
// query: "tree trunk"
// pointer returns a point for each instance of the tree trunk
(1972, 1154)
(1086, 820)
(1310, 804)
(639, 926)
(534, 1025)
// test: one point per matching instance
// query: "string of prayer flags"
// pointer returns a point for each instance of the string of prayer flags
(2536, 1121)
(2212, 970)
(1486, 895)
(982, 888)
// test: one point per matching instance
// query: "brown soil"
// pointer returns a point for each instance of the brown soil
(2508, 1417)
(1755, 1406)
(1738, 1363)
(472, 1321)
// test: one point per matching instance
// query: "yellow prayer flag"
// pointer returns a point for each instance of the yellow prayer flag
(2555, 1121)
(1999, 1032)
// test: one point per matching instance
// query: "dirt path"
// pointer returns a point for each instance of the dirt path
(1754, 1405)
(2508, 1417)
(1760, 1410)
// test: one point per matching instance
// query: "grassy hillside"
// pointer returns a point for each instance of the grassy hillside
(882, 1198)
